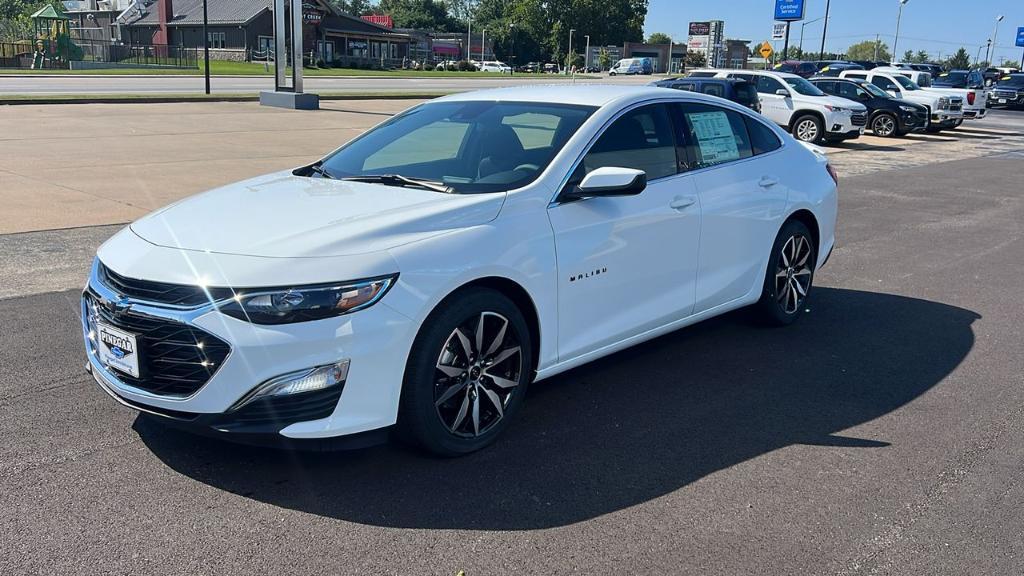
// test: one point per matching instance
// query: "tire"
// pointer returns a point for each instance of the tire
(453, 401)
(790, 271)
(808, 128)
(934, 128)
(885, 125)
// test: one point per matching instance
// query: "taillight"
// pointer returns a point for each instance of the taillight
(970, 98)
(832, 173)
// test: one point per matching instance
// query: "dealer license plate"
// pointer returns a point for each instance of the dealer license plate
(118, 349)
(1002, 100)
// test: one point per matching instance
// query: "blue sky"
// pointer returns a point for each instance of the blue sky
(932, 25)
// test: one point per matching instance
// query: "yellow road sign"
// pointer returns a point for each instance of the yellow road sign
(766, 50)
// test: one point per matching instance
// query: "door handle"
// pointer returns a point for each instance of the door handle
(768, 182)
(682, 202)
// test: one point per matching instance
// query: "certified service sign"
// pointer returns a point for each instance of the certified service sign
(789, 10)
(1020, 36)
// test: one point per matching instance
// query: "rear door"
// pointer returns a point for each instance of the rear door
(739, 171)
(627, 264)
(778, 109)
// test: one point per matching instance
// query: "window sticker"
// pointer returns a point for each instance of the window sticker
(715, 137)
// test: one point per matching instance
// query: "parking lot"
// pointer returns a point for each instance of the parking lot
(884, 434)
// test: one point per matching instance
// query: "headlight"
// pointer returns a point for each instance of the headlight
(305, 303)
(835, 108)
(908, 108)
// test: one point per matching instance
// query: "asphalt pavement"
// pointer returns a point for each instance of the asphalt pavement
(883, 434)
(66, 84)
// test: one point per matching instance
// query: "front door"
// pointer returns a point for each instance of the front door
(627, 264)
(778, 109)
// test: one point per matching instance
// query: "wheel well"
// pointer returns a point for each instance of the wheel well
(806, 218)
(800, 114)
(520, 297)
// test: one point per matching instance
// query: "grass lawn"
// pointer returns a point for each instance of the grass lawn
(224, 68)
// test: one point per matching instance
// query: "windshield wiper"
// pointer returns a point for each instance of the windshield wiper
(319, 169)
(399, 180)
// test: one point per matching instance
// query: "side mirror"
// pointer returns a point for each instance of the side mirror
(893, 93)
(611, 181)
(782, 92)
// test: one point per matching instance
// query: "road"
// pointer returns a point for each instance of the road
(883, 434)
(13, 85)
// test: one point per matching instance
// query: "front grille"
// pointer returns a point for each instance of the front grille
(175, 359)
(161, 292)
(1005, 94)
(859, 119)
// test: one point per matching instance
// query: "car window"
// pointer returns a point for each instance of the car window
(747, 77)
(762, 138)
(851, 91)
(885, 84)
(745, 93)
(768, 85)
(471, 146)
(717, 135)
(688, 86)
(702, 74)
(641, 139)
(828, 87)
(856, 75)
(714, 90)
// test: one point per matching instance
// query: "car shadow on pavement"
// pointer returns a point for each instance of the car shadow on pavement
(865, 146)
(628, 428)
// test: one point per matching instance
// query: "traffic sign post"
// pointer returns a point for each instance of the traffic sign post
(766, 53)
(1020, 42)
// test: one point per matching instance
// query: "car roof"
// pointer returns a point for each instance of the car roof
(741, 71)
(578, 94)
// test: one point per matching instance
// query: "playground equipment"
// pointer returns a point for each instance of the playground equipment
(53, 45)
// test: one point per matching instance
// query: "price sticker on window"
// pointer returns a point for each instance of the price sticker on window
(715, 138)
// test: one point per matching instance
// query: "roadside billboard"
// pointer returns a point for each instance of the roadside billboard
(700, 28)
(789, 10)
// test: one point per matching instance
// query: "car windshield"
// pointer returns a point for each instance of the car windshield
(804, 87)
(907, 83)
(874, 90)
(952, 78)
(461, 147)
(1014, 80)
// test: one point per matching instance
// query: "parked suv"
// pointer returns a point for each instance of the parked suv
(1009, 91)
(887, 116)
(803, 69)
(945, 112)
(808, 113)
(739, 91)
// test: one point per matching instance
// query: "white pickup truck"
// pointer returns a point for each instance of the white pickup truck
(975, 99)
(945, 112)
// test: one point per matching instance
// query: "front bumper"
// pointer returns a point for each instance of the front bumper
(913, 121)
(841, 124)
(372, 339)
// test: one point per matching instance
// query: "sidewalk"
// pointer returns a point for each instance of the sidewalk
(64, 166)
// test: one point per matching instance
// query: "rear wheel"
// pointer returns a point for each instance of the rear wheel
(789, 276)
(808, 128)
(885, 125)
(466, 375)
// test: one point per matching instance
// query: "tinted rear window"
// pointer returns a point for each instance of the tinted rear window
(762, 138)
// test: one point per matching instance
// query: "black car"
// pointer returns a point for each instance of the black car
(833, 68)
(959, 79)
(739, 91)
(1008, 92)
(887, 116)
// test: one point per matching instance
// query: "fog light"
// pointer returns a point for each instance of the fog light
(837, 127)
(308, 380)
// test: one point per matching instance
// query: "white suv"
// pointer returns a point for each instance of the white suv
(808, 113)
(945, 112)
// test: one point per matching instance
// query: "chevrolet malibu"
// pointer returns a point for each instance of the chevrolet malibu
(420, 277)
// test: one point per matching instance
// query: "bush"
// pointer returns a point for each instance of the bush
(466, 66)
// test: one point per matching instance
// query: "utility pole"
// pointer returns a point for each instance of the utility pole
(483, 47)
(824, 31)
(877, 40)
(206, 47)
(992, 41)
(469, 38)
(586, 54)
(568, 52)
(785, 46)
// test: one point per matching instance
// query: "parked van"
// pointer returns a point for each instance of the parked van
(631, 66)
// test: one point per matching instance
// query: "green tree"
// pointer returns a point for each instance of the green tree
(573, 59)
(908, 57)
(421, 14)
(695, 59)
(922, 57)
(959, 60)
(659, 38)
(353, 7)
(866, 50)
(604, 59)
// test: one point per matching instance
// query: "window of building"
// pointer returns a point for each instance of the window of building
(217, 39)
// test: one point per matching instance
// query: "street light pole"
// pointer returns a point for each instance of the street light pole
(469, 38)
(992, 41)
(824, 31)
(899, 16)
(512, 56)
(802, 26)
(483, 47)
(206, 48)
(569, 51)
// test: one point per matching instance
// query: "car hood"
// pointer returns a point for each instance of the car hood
(287, 216)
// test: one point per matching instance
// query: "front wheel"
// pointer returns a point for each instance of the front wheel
(466, 375)
(789, 276)
(808, 129)
(885, 125)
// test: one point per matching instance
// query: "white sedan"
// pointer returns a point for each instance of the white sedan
(420, 277)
